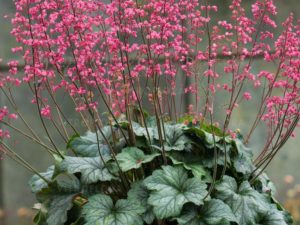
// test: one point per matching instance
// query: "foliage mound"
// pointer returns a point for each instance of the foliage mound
(200, 177)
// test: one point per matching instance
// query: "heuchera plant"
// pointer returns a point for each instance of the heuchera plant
(201, 178)
(188, 67)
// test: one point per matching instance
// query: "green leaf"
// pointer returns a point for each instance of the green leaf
(288, 218)
(142, 131)
(212, 129)
(203, 135)
(190, 162)
(277, 206)
(67, 183)
(272, 217)
(187, 119)
(37, 184)
(174, 138)
(40, 218)
(142, 134)
(241, 148)
(263, 184)
(223, 147)
(101, 210)
(243, 164)
(198, 171)
(92, 189)
(138, 112)
(89, 145)
(211, 139)
(133, 158)
(72, 138)
(58, 198)
(60, 205)
(140, 193)
(92, 169)
(214, 212)
(79, 221)
(208, 160)
(245, 202)
(151, 121)
(243, 161)
(171, 189)
(141, 142)
(209, 156)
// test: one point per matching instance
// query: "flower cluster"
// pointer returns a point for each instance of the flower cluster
(4, 114)
(113, 56)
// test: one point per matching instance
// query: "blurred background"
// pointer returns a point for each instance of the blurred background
(16, 199)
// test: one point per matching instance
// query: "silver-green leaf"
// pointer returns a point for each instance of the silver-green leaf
(92, 168)
(101, 210)
(243, 161)
(245, 202)
(37, 183)
(190, 162)
(140, 193)
(59, 208)
(133, 158)
(91, 143)
(174, 138)
(213, 212)
(59, 196)
(171, 189)
(272, 217)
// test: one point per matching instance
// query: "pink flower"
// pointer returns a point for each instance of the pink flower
(247, 96)
(13, 116)
(4, 134)
(118, 53)
(232, 134)
(46, 112)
